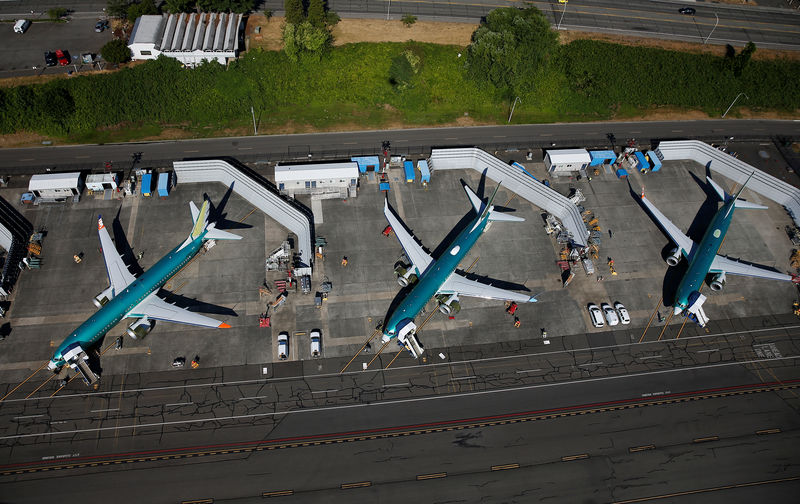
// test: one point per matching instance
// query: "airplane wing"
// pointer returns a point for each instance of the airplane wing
(684, 243)
(456, 283)
(731, 267)
(153, 307)
(414, 251)
(118, 274)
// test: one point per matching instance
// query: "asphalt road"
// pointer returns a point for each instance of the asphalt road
(411, 141)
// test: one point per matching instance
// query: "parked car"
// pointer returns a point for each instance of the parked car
(21, 25)
(283, 345)
(50, 58)
(101, 25)
(689, 11)
(62, 57)
(596, 315)
(623, 313)
(316, 339)
(611, 315)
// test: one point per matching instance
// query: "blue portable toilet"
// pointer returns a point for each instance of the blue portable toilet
(622, 173)
(655, 161)
(642, 164)
(164, 184)
(147, 184)
(424, 171)
(602, 157)
(408, 167)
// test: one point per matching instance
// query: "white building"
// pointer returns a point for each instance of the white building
(102, 181)
(559, 161)
(334, 179)
(189, 38)
(54, 187)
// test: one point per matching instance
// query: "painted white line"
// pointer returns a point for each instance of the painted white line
(528, 371)
(245, 148)
(325, 391)
(650, 357)
(253, 398)
(406, 384)
(464, 378)
(545, 134)
(28, 159)
(26, 416)
(677, 131)
(82, 157)
(707, 351)
(590, 364)
(178, 404)
(191, 151)
(401, 368)
(102, 410)
(394, 402)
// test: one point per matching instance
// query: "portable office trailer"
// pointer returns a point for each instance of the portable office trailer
(408, 168)
(566, 160)
(367, 163)
(337, 179)
(147, 184)
(102, 181)
(56, 186)
(424, 171)
(166, 180)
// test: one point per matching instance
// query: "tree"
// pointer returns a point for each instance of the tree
(295, 14)
(510, 48)
(305, 39)
(741, 60)
(116, 51)
(145, 7)
(408, 20)
(316, 13)
(57, 13)
(178, 6)
(118, 8)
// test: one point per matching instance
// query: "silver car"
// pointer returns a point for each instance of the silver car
(596, 315)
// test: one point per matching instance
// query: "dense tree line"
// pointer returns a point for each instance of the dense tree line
(132, 9)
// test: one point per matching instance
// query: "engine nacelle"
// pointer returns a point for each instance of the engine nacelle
(140, 328)
(405, 276)
(718, 282)
(104, 297)
(674, 257)
(449, 305)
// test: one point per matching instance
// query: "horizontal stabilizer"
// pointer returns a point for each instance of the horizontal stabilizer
(213, 233)
(748, 204)
(494, 215)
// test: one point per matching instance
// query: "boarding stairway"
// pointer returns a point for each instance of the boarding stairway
(516, 180)
(262, 194)
(762, 183)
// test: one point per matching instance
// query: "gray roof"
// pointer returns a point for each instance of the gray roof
(147, 30)
(189, 32)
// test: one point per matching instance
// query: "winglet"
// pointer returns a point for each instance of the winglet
(736, 196)
(533, 299)
(223, 326)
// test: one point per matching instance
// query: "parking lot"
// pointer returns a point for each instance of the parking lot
(20, 53)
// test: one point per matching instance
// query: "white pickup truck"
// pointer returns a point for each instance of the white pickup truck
(316, 340)
(283, 345)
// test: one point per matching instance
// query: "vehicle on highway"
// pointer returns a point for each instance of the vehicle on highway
(101, 25)
(21, 25)
(689, 11)
(316, 339)
(611, 315)
(50, 58)
(62, 57)
(596, 315)
(283, 345)
(623, 313)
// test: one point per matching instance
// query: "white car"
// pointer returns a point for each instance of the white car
(316, 339)
(623, 313)
(611, 315)
(596, 315)
(283, 345)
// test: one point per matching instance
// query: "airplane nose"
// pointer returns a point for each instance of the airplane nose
(677, 310)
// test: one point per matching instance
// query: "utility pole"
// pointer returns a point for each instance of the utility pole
(562, 16)
(712, 29)
(734, 101)
(253, 113)
(388, 7)
(512, 109)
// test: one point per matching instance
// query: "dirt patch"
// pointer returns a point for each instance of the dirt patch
(168, 134)
(350, 31)
(23, 139)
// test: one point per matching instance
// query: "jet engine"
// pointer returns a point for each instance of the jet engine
(718, 282)
(140, 328)
(674, 257)
(405, 276)
(104, 297)
(449, 305)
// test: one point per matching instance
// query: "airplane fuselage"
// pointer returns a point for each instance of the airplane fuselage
(707, 250)
(431, 280)
(118, 308)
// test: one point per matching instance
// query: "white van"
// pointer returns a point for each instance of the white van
(21, 25)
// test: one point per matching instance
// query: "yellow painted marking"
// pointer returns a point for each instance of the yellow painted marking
(569, 458)
(278, 493)
(651, 319)
(360, 484)
(706, 490)
(375, 333)
(504, 467)
(705, 439)
(634, 449)
(768, 431)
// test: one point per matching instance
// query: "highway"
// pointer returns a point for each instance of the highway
(410, 141)
(771, 24)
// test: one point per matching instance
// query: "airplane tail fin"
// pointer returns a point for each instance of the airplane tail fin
(477, 203)
(725, 197)
(200, 219)
(482, 208)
